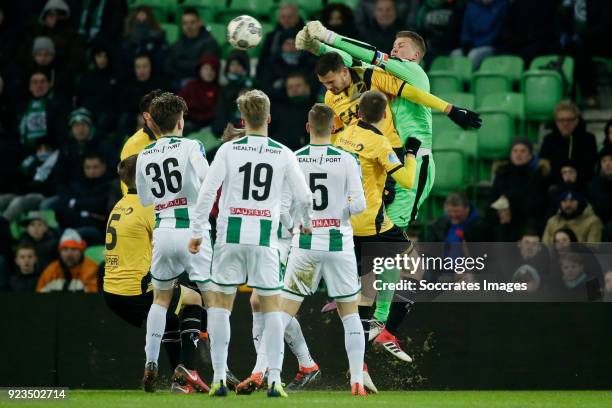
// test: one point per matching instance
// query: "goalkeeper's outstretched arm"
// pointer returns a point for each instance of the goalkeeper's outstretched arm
(394, 66)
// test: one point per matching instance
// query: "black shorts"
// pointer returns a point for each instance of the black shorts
(394, 235)
(134, 309)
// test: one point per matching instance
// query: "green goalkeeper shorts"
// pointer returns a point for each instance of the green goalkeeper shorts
(405, 208)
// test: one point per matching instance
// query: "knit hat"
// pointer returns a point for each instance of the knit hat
(523, 141)
(59, 5)
(71, 239)
(32, 216)
(80, 115)
(43, 43)
(571, 195)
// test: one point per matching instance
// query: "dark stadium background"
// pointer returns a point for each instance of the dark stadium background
(539, 54)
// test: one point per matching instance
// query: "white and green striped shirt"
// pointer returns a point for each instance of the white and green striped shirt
(253, 171)
(334, 177)
(169, 173)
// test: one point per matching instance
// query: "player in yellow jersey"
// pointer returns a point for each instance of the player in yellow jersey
(378, 159)
(143, 137)
(127, 288)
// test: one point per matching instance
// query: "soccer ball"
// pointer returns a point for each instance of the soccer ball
(244, 32)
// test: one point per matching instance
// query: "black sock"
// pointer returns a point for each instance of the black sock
(172, 339)
(365, 314)
(398, 311)
(204, 321)
(190, 335)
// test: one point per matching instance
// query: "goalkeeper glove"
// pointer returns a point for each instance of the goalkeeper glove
(412, 146)
(465, 118)
(303, 41)
(388, 196)
(318, 31)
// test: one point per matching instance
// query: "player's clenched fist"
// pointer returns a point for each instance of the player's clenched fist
(318, 31)
(194, 245)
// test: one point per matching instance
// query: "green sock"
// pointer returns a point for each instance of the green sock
(384, 297)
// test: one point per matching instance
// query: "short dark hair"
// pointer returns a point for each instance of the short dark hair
(191, 10)
(331, 61)
(93, 155)
(372, 106)
(24, 245)
(298, 74)
(145, 101)
(320, 118)
(166, 111)
(127, 170)
(457, 198)
(416, 39)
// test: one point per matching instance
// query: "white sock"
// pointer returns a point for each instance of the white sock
(156, 325)
(354, 342)
(258, 327)
(219, 331)
(274, 345)
(297, 343)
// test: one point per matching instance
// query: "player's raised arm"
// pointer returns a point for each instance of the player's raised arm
(356, 196)
(208, 193)
(396, 69)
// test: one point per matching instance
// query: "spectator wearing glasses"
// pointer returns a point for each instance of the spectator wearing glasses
(569, 140)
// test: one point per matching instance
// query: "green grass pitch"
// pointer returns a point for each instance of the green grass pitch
(412, 399)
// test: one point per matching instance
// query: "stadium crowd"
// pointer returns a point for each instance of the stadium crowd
(72, 75)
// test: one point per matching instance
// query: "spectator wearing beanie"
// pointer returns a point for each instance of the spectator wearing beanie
(578, 215)
(201, 94)
(42, 238)
(599, 191)
(54, 23)
(237, 72)
(570, 180)
(73, 271)
(570, 140)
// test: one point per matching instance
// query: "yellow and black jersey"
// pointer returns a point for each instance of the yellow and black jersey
(346, 104)
(128, 247)
(134, 145)
(377, 159)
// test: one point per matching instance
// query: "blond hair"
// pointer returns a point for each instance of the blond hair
(255, 108)
(567, 106)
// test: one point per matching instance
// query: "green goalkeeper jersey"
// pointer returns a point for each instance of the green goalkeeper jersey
(409, 118)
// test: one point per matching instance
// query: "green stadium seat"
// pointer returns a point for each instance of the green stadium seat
(442, 124)
(464, 141)
(495, 135)
(207, 138)
(172, 32)
(451, 171)
(511, 102)
(449, 74)
(509, 66)
(259, 9)
(207, 9)
(96, 253)
(567, 67)
(443, 82)
(463, 99)
(219, 32)
(543, 90)
(311, 8)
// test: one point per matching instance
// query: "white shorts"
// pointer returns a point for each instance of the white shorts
(284, 245)
(237, 264)
(171, 258)
(306, 267)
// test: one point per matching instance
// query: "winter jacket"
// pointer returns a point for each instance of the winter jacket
(184, 54)
(482, 24)
(587, 226)
(83, 277)
(599, 193)
(201, 97)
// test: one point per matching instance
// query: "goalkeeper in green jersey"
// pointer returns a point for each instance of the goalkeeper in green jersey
(410, 120)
